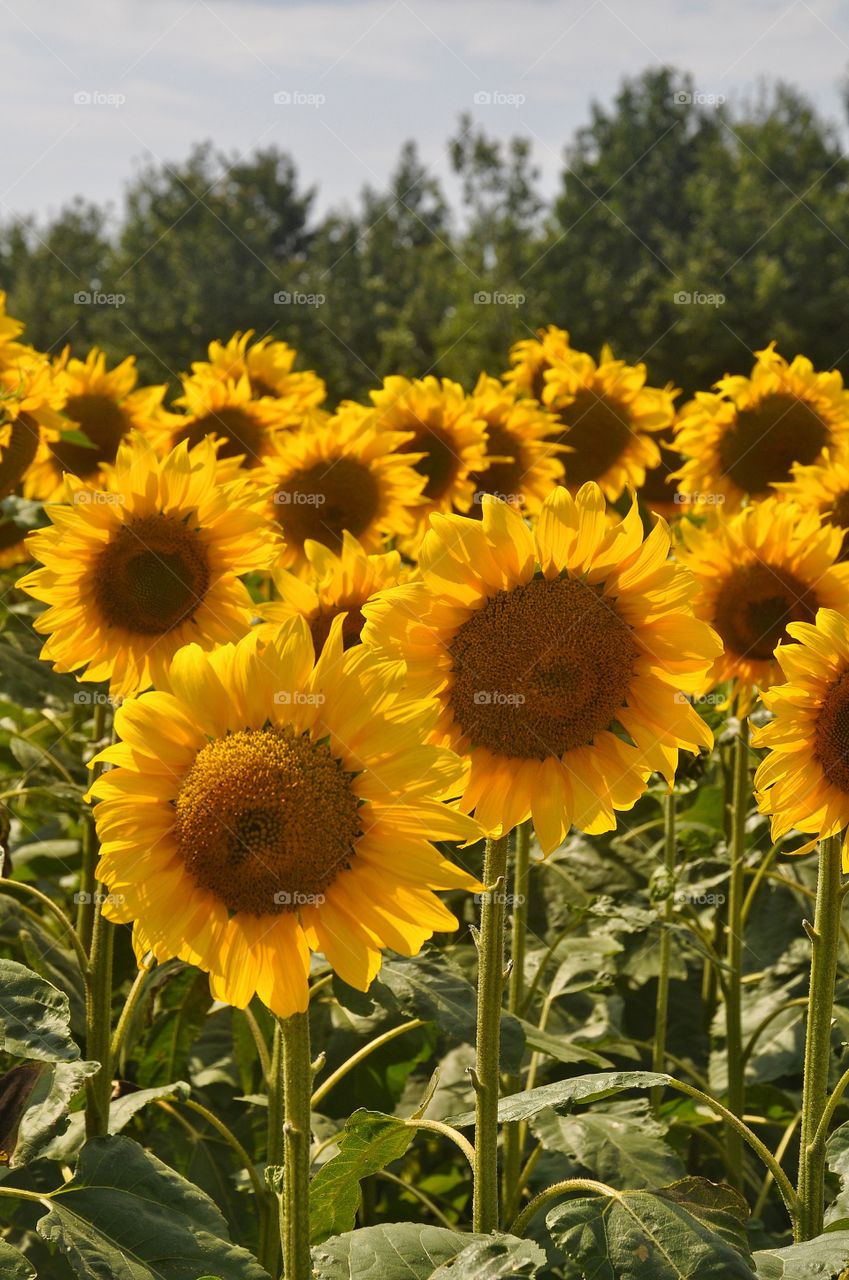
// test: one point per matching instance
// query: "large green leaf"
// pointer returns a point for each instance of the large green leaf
(818, 1259)
(34, 1016)
(66, 1146)
(624, 1149)
(13, 1265)
(128, 1216)
(837, 1160)
(426, 987)
(47, 1115)
(591, 1088)
(413, 1251)
(692, 1230)
(369, 1142)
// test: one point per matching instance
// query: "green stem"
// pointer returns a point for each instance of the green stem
(356, 1058)
(232, 1141)
(734, 948)
(447, 1131)
(554, 1192)
(488, 1043)
(661, 1017)
(269, 1231)
(86, 903)
(825, 938)
(297, 1084)
(128, 1011)
(99, 1026)
(512, 1160)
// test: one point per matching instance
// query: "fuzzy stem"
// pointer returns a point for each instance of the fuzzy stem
(297, 1087)
(513, 1133)
(734, 949)
(661, 1018)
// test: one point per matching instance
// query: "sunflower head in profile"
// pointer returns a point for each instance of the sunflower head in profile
(531, 358)
(608, 420)
(523, 462)
(803, 783)
(756, 572)
(268, 367)
(342, 474)
(268, 805)
(559, 658)
(31, 397)
(746, 436)
(824, 488)
(226, 410)
(148, 564)
(103, 406)
(336, 584)
(443, 432)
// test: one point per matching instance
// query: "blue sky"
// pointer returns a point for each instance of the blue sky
(361, 77)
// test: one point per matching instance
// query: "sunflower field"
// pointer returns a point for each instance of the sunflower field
(422, 820)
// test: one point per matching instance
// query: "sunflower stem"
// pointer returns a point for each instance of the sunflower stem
(825, 946)
(294, 1195)
(86, 904)
(486, 1077)
(661, 1018)
(513, 1133)
(99, 1026)
(734, 949)
(269, 1226)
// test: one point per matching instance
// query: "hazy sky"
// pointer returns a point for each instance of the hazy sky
(90, 90)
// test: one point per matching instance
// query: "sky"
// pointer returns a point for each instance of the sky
(90, 92)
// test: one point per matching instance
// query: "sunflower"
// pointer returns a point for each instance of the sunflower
(609, 418)
(268, 805)
(757, 571)
(823, 488)
(659, 491)
(104, 406)
(338, 584)
(226, 409)
(10, 331)
(268, 367)
(532, 357)
(342, 474)
(13, 538)
(444, 432)
(133, 573)
(746, 436)
(31, 396)
(557, 658)
(804, 781)
(519, 432)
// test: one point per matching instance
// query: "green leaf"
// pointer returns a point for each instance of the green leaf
(426, 987)
(692, 1230)
(559, 1048)
(627, 1150)
(592, 1088)
(66, 1147)
(13, 1265)
(47, 1114)
(125, 1214)
(818, 1259)
(369, 1142)
(413, 1251)
(182, 1005)
(34, 1016)
(837, 1160)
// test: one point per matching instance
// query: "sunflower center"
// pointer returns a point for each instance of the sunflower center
(103, 422)
(505, 479)
(239, 431)
(766, 440)
(351, 628)
(538, 381)
(259, 387)
(440, 463)
(152, 575)
(18, 453)
(266, 819)
(832, 734)
(755, 605)
(322, 501)
(599, 432)
(541, 669)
